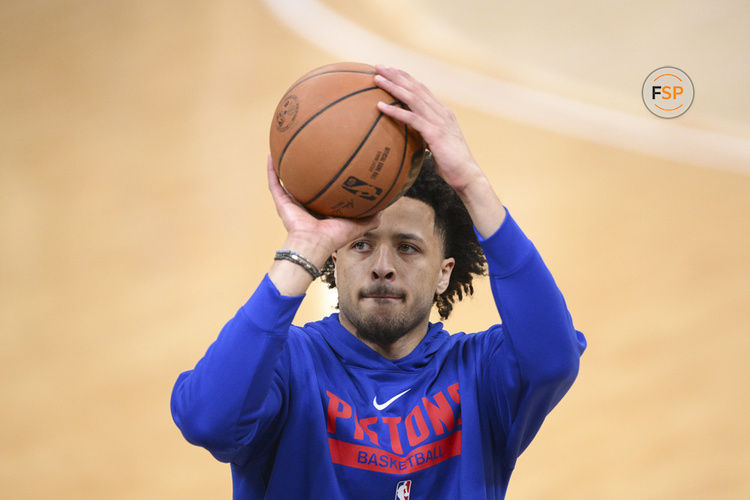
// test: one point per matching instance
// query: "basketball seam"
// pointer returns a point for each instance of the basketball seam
(341, 170)
(291, 139)
(326, 73)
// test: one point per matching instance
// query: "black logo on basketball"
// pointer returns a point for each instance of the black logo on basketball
(361, 188)
(287, 113)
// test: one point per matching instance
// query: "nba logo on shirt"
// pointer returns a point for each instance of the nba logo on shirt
(403, 490)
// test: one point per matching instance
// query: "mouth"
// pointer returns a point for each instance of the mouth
(382, 295)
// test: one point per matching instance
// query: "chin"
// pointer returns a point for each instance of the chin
(384, 329)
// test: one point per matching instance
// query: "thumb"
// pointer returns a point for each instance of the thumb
(370, 223)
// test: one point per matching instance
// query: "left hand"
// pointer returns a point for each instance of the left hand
(435, 122)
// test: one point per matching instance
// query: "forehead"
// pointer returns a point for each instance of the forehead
(407, 216)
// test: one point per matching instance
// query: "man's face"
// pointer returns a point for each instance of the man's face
(387, 278)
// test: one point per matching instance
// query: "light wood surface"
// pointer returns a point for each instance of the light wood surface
(135, 220)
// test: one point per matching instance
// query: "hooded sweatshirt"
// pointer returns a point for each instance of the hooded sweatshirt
(313, 412)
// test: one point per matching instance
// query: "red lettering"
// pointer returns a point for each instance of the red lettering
(441, 416)
(337, 408)
(416, 417)
(395, 439)
(361, 427)
(355, 455)
(453, 391)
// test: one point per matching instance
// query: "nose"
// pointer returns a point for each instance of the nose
(382, 267)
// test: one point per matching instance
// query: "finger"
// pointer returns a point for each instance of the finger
(403, 79)
(357, 227)
(273, 185)
(384, 70)
(397, 76)
(406, 116)
(389, 84)
(417, 98)
(269, 164)
(281, 197)
(398, 92)
(273, 180)
(370, 223)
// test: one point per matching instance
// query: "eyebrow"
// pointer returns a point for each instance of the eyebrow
(400, 236)
(409, 236)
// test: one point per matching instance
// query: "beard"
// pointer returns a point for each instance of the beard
(387, 327)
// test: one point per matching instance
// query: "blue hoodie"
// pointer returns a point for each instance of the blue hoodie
(312, 412)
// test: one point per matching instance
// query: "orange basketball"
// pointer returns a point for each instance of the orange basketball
(334, 151)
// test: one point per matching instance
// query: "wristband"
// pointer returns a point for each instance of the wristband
(300, 260)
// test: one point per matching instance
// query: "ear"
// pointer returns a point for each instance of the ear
(444, 278)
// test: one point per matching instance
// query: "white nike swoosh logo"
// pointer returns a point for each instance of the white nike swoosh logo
(387, 403)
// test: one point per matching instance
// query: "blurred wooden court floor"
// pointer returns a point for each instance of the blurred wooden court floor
(135, 220)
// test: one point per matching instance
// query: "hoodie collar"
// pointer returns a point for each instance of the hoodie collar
(355, 352)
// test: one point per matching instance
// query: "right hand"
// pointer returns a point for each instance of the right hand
(315, 238)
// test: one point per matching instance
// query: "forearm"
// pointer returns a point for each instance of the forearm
(537, 361)
(236, 374)
(531, 305)
(486, 210)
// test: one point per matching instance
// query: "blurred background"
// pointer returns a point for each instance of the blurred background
(135, 220)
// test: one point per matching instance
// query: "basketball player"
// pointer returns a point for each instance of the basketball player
(376, 402)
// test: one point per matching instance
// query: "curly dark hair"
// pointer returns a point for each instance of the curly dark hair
(454, 225)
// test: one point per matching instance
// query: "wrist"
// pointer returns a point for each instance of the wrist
(311, 247)
(299, 259)
(475, 185)
(469, 179)
(293, 274)
(485, 208)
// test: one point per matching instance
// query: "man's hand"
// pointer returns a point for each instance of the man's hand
(316, 239)
(436, 123)
(453, 160)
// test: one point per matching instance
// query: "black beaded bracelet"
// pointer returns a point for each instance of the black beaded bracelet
(300, 260)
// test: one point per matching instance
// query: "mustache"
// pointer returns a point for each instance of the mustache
(381, 290)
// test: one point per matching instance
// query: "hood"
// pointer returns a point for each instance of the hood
(353, 351)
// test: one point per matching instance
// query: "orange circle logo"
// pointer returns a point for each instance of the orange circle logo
(668, 92)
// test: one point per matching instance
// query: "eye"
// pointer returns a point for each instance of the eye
(360, 245)
(407, 248)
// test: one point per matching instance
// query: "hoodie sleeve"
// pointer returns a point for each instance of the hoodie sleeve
(234, 399)
(531, 360)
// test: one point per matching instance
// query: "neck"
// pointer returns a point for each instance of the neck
(395, 350)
